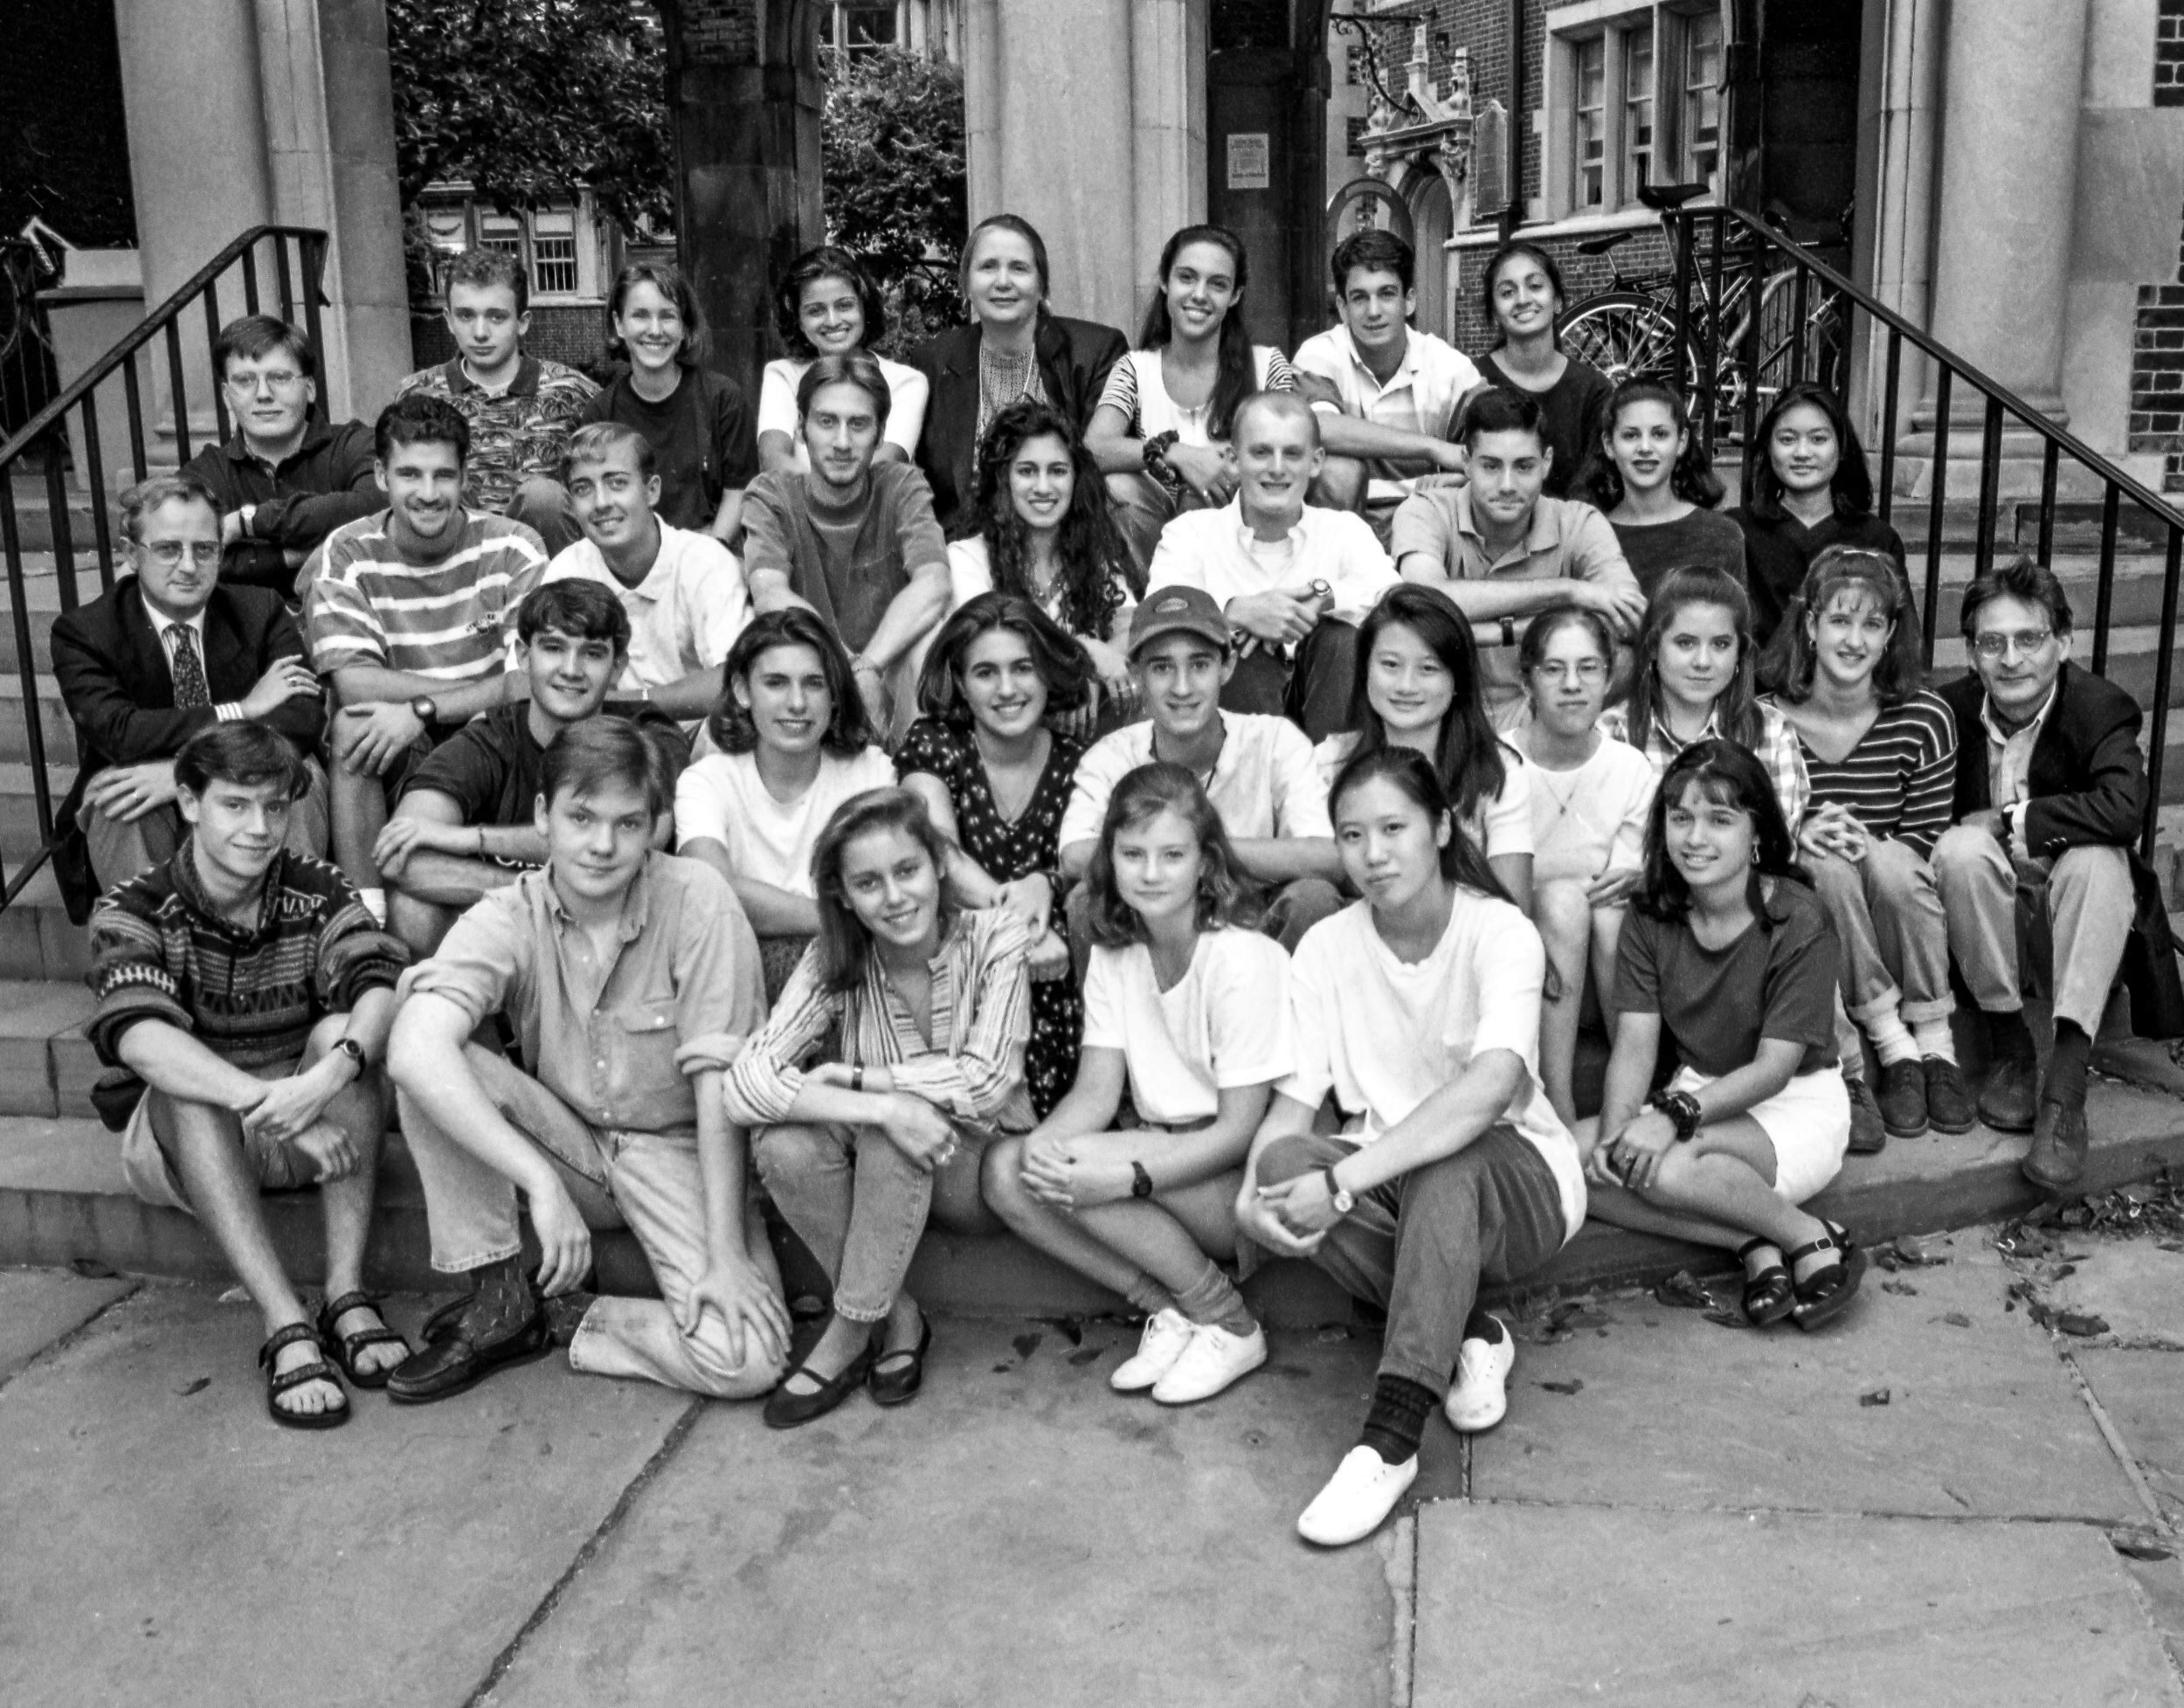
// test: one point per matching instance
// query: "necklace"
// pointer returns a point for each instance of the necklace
(1564, 801)
(1004, 378)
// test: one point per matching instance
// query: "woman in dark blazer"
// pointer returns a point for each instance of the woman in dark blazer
(1014, 348)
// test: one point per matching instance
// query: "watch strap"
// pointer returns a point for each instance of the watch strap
(1140, 1182)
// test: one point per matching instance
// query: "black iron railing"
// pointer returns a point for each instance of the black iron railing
(1805, 321)
(269, 269)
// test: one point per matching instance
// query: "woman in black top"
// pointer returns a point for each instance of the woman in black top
(1650, 476)
(1523, 295)
(1810, 491)
(995, 777)
(699, 422)
(1014, 348)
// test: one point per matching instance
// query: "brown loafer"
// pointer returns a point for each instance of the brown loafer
(1949, 1105)
(2009, 1100)
(461, 1356)
(2057, 1157)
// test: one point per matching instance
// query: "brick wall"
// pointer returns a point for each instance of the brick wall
(2168, 54)
(2157, 370)
(1582, 276)
(719, 32)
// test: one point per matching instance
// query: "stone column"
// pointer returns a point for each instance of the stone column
(1167, 52)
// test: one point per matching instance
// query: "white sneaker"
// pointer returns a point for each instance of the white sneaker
(1214, 1359)
(1480, 1396)
(1361, 1493)
(1167, 1333)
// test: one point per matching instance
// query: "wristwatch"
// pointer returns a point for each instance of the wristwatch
(423, 711)
(1681, 1108)
(1344, 1201)
(1140, 1182)
(1157, 447)
(355, 1051)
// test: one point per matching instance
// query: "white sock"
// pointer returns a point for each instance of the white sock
(375, 903)
(1934, 1038)
(1891, 1038)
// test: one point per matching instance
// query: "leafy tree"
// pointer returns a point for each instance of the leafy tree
(897, 189)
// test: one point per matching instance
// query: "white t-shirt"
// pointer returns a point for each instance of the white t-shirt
(768, 841)
(1137, 387)
(1224, 1024)
(1501, 824)
(684, 615)
(908, 391)
(971, 573)
(1384, 1036)
(1217, 552)
(1591, 821)
(1421, 397)
(1265, 784)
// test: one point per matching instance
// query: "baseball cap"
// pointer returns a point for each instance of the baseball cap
(1178, 611)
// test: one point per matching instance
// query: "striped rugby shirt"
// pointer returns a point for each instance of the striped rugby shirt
(450, 621)
(1899, 780)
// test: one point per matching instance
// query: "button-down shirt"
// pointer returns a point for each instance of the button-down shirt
(683, 616)
(1567, 541)
(1265, 782)
(973, 1071)
(1778, 750)
(1216, 550)
(167, 628)
(1419, 396)
(602, 1034)
(2009, 761)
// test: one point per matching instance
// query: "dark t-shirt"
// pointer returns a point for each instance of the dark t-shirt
(1704, 537)
(491, 767)
(849, 562)
(702, 435)
(1716, 1005)
(1570, 414)
(1779, 548)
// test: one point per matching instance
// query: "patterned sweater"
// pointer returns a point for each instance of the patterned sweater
(160, 951)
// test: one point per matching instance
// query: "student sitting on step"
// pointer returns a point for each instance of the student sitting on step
(1186, 1010)
(1257, 769)
(1292, 579)
(168, 654)
(629, 977)
(468, 819)
(245, 996)
(1416, 1013)
(1728, 953)
(2049, 800)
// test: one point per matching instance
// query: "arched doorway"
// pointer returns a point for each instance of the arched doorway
(1434, 222)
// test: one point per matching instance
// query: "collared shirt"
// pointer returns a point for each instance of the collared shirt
(1778, 750)
(683, 616)
(973, 1071)
(602, 1035)
(1567, 540)
(1265, 782)
(1419, 396)
(167, 628)
(1216, 550)
(516, 432)
(2009, 761)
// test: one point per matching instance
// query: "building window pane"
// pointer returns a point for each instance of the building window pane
(1592, 117)
(553, 265)
(857, 26)
(497, 231)
(1637, 110)
(1701, 97)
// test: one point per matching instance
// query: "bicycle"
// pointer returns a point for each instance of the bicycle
(1629, 330)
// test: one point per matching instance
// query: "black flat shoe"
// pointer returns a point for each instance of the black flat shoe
(454, 1358)
(894, 1386)
(1769, 1296)
(1826, 1292)
(785, 1410)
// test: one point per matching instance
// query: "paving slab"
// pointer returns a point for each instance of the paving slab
(1672, 1410)
(2143, 1394)
(2136, 1286)
(168, 1542)
(1019, 1534)
(39, 1306)
(1523, 1605)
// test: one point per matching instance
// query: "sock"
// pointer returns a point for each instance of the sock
(1213, 1298)
(1934, 1039)
(1481, 1325)
(1148, 1295)
(504, 1297)
(375, 903)
(1891, 1038)
(1396, 1420)
(2065, 1083)
(2007, 1036)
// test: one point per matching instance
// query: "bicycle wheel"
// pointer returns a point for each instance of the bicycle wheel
(1812, 351)
(1624, 334)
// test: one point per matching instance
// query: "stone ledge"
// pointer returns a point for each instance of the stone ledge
(63, 1200)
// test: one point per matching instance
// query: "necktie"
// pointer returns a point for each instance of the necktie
(191, 689)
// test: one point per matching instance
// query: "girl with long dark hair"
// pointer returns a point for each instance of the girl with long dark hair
(1161, 427)
(1521, 291)
(1186, 1011)
(1649, 475)
(1417, 1009)
(1728, 952)
(827, 305)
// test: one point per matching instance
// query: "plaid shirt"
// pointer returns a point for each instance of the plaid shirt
(1778, 750)
(973, 1072)
(249, 994)
(513, 434)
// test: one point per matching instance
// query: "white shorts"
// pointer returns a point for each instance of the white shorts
(1808, 1122)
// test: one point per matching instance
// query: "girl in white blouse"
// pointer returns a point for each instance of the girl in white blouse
(829, 306)
(1186, 1009)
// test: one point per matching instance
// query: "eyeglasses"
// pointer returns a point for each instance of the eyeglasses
(168, 552)
(1586, 669)
(2000, 644)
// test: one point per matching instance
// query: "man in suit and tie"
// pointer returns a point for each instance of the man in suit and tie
(167, 653)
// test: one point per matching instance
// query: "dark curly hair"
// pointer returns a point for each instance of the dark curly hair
(1692, 479)
(1224, 897)
(848, 726)
(1089, 546)
(1728, 775)
(828, 260)
(1060, 660)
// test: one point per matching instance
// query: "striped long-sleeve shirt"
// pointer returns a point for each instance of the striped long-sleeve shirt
(1897, 781)
(973, 1072)
(448, 620)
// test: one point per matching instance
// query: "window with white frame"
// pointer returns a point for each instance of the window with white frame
(554, 253)
(502, 231)
(1634, 99)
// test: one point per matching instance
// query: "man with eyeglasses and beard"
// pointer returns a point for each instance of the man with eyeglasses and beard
(2050, 792)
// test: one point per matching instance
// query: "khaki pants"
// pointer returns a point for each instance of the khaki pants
(2082, 897)
(1895, 935)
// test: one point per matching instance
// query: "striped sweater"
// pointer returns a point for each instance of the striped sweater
(1897, 780)
(450, 620)
(160, 951)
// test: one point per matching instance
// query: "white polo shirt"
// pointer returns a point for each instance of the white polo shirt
(1421, 397)
(684, 615)
(1265, 782)
(1216, 551)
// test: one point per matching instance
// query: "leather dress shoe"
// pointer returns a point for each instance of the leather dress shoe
(462, 1351)
(1869, 1132)
(1903, 1099)
(2058, 1157)
(1949, 1105)
(2010, 1098)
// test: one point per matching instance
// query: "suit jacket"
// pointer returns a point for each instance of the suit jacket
(329, 480)
(1074, 358)
(114, 675)
(2086, 786)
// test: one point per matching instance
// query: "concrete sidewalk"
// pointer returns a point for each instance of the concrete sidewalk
(1938, 1501)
